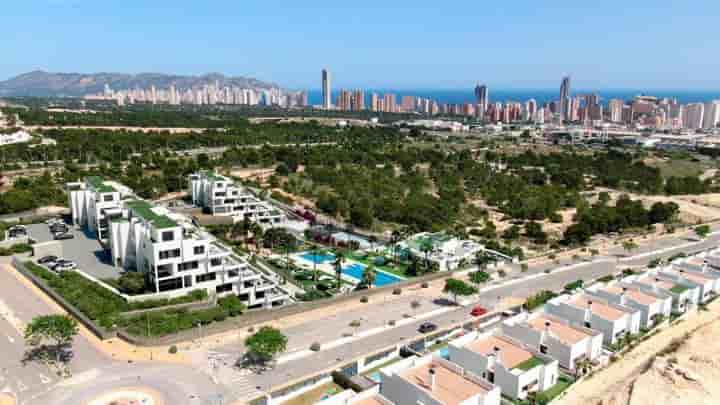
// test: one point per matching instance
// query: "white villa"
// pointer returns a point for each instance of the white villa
(445, 250)
(16, 137)
(220, 196)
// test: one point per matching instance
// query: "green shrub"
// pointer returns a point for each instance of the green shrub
(397, 291)
(173, 349)
(364, 299)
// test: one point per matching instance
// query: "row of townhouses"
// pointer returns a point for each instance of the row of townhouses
(219, 195)
(527, 352)
(175, 255)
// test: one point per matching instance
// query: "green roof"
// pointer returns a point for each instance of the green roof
(98, 183)
(211, 175)
(530, 363)
(679, 289)
(143, 209)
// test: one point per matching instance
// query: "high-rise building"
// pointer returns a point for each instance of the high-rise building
(711, 116)
(375, 102)
(482, 96)
(694, 115)
(390, 102)
(358, 100)
(344, 100)
(326, 89)
(616, 109)
(565, 113)
(408, 103)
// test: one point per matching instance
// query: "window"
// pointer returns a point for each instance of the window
(164, 270)
(205, 277)
(232, 273)
(188, 266)
(215, 262)
(108, 197)
(199, 250)
(170, 284)
(169, 254)
(543, 349)
(188, 281)
(587, 325)
(168, 236)
(223, 288)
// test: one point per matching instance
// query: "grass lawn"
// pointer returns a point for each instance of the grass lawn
(315, 395)
(530, 363)
(563, 383)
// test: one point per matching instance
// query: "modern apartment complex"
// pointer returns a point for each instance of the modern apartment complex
(176, 256)
(219, 195)
(94, 202)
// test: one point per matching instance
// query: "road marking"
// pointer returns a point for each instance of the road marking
(44, 379)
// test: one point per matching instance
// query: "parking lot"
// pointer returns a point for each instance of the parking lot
(83, 249)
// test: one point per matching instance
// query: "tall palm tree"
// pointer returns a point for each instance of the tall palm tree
(369, 276)
(426, 247)
(337, 264)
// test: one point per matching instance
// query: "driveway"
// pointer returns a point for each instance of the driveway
(83, 249)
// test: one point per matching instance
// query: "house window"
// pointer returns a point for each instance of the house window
(199, 250)
(587, 325)
(543, 349)
(205, 277)
(168, 236)
(215, 262)
(223, 288)
(188, 266)
(107, 197)
(170, 284)
(169, 254)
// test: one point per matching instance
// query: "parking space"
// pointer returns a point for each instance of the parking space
(83, 249)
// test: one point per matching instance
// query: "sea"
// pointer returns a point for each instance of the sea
(461, 96)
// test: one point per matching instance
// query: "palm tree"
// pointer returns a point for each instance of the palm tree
(394, 239)
(426, 247)
(339, 260)
(369, 276)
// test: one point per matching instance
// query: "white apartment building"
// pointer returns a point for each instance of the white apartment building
(517, 369)
(652, 305)
(15, 137)
(555, 337)
(219, 195)
(94, 201)
(614, 321)
(707, 283)
(178, 257)
(430, 380)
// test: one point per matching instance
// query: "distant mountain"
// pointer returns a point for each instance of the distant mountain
(46, 84)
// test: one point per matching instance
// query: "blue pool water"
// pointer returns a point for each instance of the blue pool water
(319, 258)
(356, 271)
(375, 377)
(443, 353)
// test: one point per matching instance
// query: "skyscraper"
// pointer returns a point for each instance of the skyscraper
(616, 109)
(326, 89)
(694, 114)
(482, 95)
(565, 113)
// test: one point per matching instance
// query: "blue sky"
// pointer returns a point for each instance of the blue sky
(660, 44)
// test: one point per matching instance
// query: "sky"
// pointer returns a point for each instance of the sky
(399, 44)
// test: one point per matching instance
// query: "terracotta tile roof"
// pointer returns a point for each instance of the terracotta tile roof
(598, 308)
(450, 388)
(566, 333)
(510, 354)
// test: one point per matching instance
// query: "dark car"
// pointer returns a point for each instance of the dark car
(48, 259)
(63, 236)
(55, 227)
(427, 327)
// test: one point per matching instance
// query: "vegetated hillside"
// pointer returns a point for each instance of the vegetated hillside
(46, 84)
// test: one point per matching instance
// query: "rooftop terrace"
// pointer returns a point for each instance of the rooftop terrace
(98, 184)
(144, 210)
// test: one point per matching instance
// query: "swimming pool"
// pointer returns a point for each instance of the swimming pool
(356, 271)
(318, 258)
(443, 352)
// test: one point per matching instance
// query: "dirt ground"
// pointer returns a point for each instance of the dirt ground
(687, 376)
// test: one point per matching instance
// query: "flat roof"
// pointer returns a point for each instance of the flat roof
(637, 296)
(511, 355)
(98, 184)
(144, 210)
(598, 307)
(450, 387)
(562, 331)
(697, 278)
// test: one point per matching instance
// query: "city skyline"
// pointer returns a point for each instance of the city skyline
(257, 40)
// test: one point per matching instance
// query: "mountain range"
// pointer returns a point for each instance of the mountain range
(46, 84)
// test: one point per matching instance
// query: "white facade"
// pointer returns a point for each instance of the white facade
(694, 116)
(94, 202)
(614, 321)
(179, 257)
(556, 337)
(684, 297)
(220, 196)
(16, 137)
(650, 305)
(446, 251)
(434, 381)
(704, 282)
(515, 368)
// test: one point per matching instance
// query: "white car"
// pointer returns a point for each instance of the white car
(65, 266)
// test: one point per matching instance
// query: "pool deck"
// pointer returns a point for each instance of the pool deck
(327, 267)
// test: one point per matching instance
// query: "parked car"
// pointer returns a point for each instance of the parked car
(58, 225)
(478, 311)
(48, 259)
(427, 327)
(63, 236)
(64, 267)
(54, 220)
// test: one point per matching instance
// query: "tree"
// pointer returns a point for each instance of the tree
(60, 330)
(132, 282)
(629, 245)
(415, 305)
(355, 325)
(241, 230)
(368, 277)
(426, 247)
(702, 231)
(337, 264)
(266, 343)
(512, 233)
(457, 288)
(479, 277)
